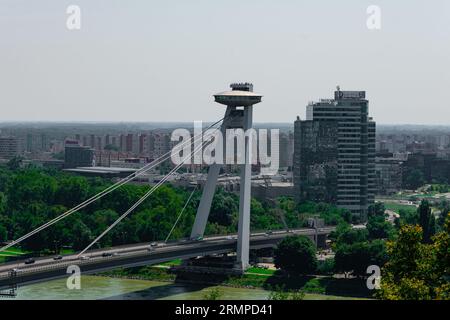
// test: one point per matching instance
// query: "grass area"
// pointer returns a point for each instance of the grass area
(248, 280)
(11, 252)
(144, 273)
(260, 271)
(14, 250)
(311, 296)
(67, 251)
(175, 262)
(314, 286)
(396, 207)
(426, 195)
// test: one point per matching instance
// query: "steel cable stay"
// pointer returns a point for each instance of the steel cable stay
(181, 213)
(108, 190)
(142, 199)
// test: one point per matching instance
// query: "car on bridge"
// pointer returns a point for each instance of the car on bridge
(30, 261)
(58, 258)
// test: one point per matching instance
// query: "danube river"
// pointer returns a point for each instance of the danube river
(95, 288)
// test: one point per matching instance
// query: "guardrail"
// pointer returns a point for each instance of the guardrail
(29, 270)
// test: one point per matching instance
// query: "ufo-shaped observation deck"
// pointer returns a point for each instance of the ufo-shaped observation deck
(237, 98)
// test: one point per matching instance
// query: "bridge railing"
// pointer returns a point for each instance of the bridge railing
(53, 265)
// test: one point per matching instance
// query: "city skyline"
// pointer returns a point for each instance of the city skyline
(234, 150)
(124, 63)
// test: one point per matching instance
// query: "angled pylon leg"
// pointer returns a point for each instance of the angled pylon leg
(204, 207)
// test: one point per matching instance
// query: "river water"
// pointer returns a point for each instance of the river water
(94, 288)
(101, 288)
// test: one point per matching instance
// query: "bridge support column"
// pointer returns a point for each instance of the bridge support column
(243, 246)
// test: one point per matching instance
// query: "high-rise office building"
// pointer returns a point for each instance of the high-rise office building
(159, 144)
(78, 156)
(286, 149)
(143, 144)
(10, 147)
(334, 157)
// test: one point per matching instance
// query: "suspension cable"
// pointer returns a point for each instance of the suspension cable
(181, 213)
(134, 206)
(108, 190)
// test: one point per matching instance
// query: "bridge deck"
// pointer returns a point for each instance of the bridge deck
(45, 269)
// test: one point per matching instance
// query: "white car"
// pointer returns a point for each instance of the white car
(85, 258)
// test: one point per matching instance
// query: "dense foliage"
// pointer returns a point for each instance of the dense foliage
(356, 249)
(417, 269)
(30, 197)
(296, 255)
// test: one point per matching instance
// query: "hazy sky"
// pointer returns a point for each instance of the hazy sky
(145, 60)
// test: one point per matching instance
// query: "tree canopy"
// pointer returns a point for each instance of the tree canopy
(417, 270)
(296, 255)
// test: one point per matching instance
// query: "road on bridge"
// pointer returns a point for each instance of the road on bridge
(47, 268)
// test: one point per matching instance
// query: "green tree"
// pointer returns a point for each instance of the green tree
(350, 236)
(426, 221)
(15, 163)
(30, 186)
(71, 191)
(331, 214)
(82, 235)
(414, 179)
(3, 231)
(99, 221)
(355, 258)
(377, 209)
(379, 228)
(296, 255)
(223, 207)
(280, 293)
(408, 216)
(213, 294)
(3, 203)
(417, 270)
(444, 210)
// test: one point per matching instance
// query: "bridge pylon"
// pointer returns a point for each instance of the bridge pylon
(239, 114)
